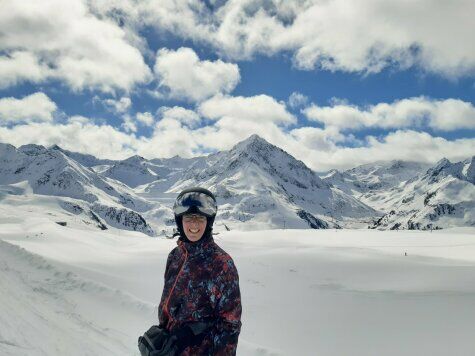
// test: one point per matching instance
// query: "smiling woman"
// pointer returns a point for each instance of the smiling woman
(194, 226)
(200, 309)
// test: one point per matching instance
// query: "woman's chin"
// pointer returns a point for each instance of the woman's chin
(193, 237)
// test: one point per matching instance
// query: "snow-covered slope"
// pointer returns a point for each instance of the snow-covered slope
(170, 170)
(263, 186)
(365, 181)
(133, 171)
(258, 186)
(84, 159)
(443, 196)
(51, 172)
(70, 291)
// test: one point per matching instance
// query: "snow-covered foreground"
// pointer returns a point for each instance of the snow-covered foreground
(67, 291)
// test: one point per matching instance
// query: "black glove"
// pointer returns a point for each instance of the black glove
(157, 341)
(191, 334)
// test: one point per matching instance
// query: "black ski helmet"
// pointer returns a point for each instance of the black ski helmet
(195, 200)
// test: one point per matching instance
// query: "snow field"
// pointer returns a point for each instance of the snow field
(66, 290)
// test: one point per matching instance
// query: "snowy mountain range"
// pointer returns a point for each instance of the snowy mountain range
(413, 195)
(442, 196)
(258, 186)
(95, 198)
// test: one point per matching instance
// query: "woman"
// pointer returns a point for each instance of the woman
(201, 300)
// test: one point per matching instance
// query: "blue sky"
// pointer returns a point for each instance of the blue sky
(161, 78)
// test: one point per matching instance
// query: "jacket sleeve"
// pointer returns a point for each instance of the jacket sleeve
(161, 317)
(228, 326)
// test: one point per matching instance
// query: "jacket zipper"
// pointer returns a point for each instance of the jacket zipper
(165, 308)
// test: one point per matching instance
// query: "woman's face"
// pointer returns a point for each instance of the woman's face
(194, 226)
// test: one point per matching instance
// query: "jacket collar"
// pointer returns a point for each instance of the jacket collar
(198, 247)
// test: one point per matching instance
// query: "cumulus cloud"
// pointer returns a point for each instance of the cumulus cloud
(320, 149)
(19, 66)
(184, 76)
(129, 124)
(146, 118)
(118, 106)
(445, 115)
(34, 107)
(78, 135)
(185, 116)
(315, 138)
(64, 41)
(402, 144)
(260, 108)
(297, 100)
(354, 36)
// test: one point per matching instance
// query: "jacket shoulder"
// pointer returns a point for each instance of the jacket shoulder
(218, 252)
(223, 260)
(173, 252)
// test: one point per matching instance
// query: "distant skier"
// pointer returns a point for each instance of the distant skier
(200, 309)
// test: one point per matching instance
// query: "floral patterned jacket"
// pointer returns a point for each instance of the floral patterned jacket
(202, 283)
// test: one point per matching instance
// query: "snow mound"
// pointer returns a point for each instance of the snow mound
(47, 311)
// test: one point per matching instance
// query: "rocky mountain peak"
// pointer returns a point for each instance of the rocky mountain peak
(441, 164)
(470, 172)
(254, 144)
(32, 149)
(135, 159)
(6, 148)
(56, 147)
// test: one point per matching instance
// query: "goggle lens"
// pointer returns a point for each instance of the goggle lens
(202, 202)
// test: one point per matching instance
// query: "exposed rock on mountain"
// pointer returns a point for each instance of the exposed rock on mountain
(261, 184)
(51, 172)
(443, 196)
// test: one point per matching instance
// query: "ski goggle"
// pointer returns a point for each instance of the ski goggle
(194, 217)
(202, 203)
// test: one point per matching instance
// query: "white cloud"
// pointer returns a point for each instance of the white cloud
(78, 135)
(19, 66)
(145, 118)
(320, 149)
(118, 106)
(260, 108)
(297, 100)
(226, 132)
(63, 40)
(403, 144)
(174, 134)
(354, 36)
(185, 116)
(318, 139)
(185, 77)
(34, 107)
(446, 115)
(129, 124)
(170, 138)
(79, 119)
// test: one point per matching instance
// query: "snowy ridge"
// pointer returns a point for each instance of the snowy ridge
(366, 180)
(56, 310)
(133, 171)
(262, 185)
(51, 172)
(442, 196)
(83, 159)
(258, 185)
